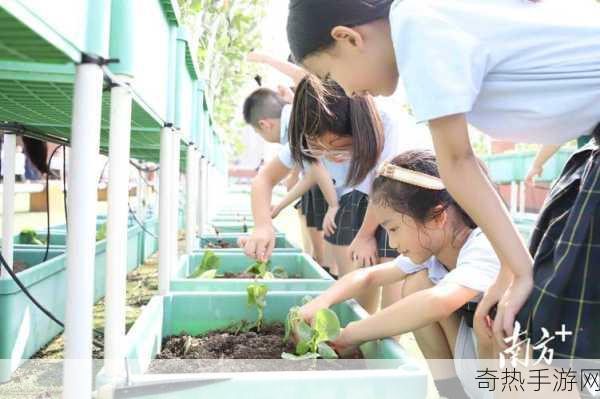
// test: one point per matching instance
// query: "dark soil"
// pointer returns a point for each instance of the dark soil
(225, 344)
(226, 351)
(19, 266)
(248, 275)
(220, 244)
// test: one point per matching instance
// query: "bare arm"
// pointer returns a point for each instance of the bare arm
(543, 155)
(409, 314)
(287, 68)
(353, 285)
(295, 192)
(468, 185)
(260, 244)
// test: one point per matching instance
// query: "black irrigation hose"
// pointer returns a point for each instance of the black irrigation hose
(151, 234)
(16, 279)
(48, 205)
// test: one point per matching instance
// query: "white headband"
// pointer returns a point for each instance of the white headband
(391, 171)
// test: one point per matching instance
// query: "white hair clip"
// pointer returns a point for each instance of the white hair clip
(391, 171)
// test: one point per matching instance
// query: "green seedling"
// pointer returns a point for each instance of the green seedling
(208, 267)
(30, 237)
(312, 339)
(101, 233)
(257, 296)
(262, 270)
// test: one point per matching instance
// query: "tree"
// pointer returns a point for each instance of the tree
(226, 32)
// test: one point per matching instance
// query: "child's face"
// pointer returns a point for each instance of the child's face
(268, 129)
(417, 241)
(362, 60)
(331, 146)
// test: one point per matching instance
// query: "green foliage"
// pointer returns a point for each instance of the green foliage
(101, 232)
(227, 31)
(312, 339)
(30, 237)
(263, 270)
(257, 296)
(208, 266)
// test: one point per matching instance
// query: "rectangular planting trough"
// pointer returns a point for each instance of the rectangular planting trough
(389, 372)
(304, 274)
(213, 242)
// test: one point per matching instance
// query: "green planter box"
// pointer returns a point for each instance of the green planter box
(232, 227)
(390, 372)
(513, 166)
(312, 276)
(240, 219)
(525, 224)
(150, 241)
(24, 328)
(281, 243)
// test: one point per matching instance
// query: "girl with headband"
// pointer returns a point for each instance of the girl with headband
(349, 137)
(518, 70)
(446, 263)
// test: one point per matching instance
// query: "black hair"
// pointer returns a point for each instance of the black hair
(310, 21)
(420, 203)
(263, 103)
(321, 107)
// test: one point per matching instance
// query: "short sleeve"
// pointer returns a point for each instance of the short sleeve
(441, 66)
(285, 156)
(477, 266)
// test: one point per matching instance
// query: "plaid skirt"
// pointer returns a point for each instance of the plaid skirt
(349, 219)
(565, 245)
(313, 206)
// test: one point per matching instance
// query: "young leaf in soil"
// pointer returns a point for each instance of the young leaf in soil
(101, 233)
(30, 237)
(312, 339)
(263, 270)
(208, 267)
(257, 294)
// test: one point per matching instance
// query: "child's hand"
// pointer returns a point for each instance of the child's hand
(364, 250)
(275, 211)
(308, 311)
(534, 171)
(343, 344)
(259, 245)
(329, 225)
(286, 93)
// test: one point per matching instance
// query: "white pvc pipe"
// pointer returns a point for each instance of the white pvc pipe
(81, 241)
(522, 197)
(513, 197)
(191, 195)
(141, 192)
(116, 233)
(164, 205)
(175, 199)
(8, 201)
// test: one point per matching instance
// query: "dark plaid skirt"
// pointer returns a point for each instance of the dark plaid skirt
(349, 219)
(314, 207)
(565, 245)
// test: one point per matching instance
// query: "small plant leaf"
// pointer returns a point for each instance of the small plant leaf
(279, 272)
(304, 332)
(306, 299)
(210, 261)
(326, 351)
(302, 347)
(209, 274)
(268, 276)
(327, 325)
(306, 356)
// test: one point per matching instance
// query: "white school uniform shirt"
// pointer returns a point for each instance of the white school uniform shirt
(339, 171)
(520, 71)
(477, 265)
(284, 123)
